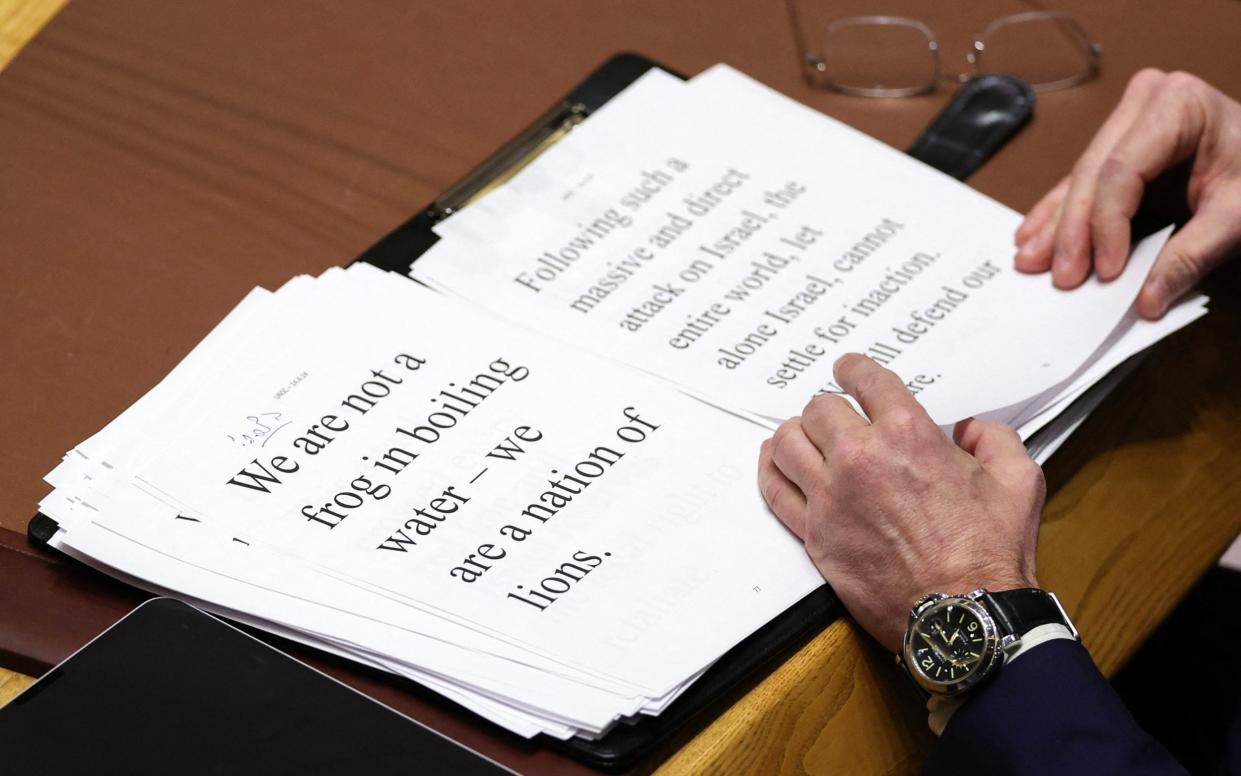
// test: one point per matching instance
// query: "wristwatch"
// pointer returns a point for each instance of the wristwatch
(954, 643)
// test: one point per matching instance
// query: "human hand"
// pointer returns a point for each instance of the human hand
(890, 509)
(1162, 120)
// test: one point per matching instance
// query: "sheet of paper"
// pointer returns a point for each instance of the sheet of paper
(699, 248)
(1132, 337)
(451, 463)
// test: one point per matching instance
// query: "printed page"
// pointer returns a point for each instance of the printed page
(736, 243)
(565, 504)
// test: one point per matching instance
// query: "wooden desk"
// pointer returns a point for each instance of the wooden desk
(173, 157)
(20, 20)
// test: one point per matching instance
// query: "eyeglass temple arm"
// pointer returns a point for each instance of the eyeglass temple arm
(807, 62)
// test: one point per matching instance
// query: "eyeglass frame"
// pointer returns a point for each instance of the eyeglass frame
(814, 68)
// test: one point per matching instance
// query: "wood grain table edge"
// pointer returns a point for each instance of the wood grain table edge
(21, 20)
(11, 684)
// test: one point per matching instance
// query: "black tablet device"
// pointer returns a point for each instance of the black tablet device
(171, 690)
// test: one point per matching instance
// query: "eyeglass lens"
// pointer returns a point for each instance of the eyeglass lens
(1042, 50)
(889, 56)
(865, 55)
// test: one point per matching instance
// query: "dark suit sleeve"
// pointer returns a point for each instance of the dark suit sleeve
(1049, 711)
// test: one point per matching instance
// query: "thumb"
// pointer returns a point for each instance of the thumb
(998, 448)
(1204, 241)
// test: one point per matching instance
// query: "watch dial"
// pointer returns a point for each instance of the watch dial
(948, 643)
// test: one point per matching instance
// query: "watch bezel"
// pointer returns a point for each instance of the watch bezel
(991, 657)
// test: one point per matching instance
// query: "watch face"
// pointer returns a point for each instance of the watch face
(950, 644)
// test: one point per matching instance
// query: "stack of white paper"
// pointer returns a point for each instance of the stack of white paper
(361, 464)
(530, 487)
(734, 242)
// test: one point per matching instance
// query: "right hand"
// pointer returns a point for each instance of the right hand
(890, 509)
(1163, 119)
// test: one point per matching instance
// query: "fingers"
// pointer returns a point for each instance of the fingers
(1034, 235)
(825, 417)
(1210, 236)
(883, 396)
(1117, 198)
(796, 456)
(1083, 224)
(988, 441)
(1146, 149)
(1042, 212)
(783, 497)
(999, 449)
(1071, 249)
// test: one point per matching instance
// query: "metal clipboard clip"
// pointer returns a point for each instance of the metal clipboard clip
(510, 158)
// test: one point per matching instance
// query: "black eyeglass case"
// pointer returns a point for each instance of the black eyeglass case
(987, 111)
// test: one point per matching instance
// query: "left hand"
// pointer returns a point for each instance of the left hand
(890, 509)
(1082, 225)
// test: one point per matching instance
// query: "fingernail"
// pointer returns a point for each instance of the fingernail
(1157, 289)
(1032, 246)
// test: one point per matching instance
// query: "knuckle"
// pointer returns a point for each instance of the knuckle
(1100, 220)
(819, 409)
(780, 439)
(1180, 81)
(852, 455)
(907, 424)
(872, 381)
(1145, 79)
(1113, 168)
(1185, 269)
(1066, 243)
(1072, 234)
(1083, 167)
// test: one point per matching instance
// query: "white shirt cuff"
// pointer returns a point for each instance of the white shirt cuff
(1040, 635)
(940, 710)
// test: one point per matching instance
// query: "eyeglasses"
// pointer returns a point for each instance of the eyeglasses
(891, 56)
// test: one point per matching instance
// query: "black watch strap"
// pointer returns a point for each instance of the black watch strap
(1019, 611)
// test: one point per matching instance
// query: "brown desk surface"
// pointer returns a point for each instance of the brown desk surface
(159, 159)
